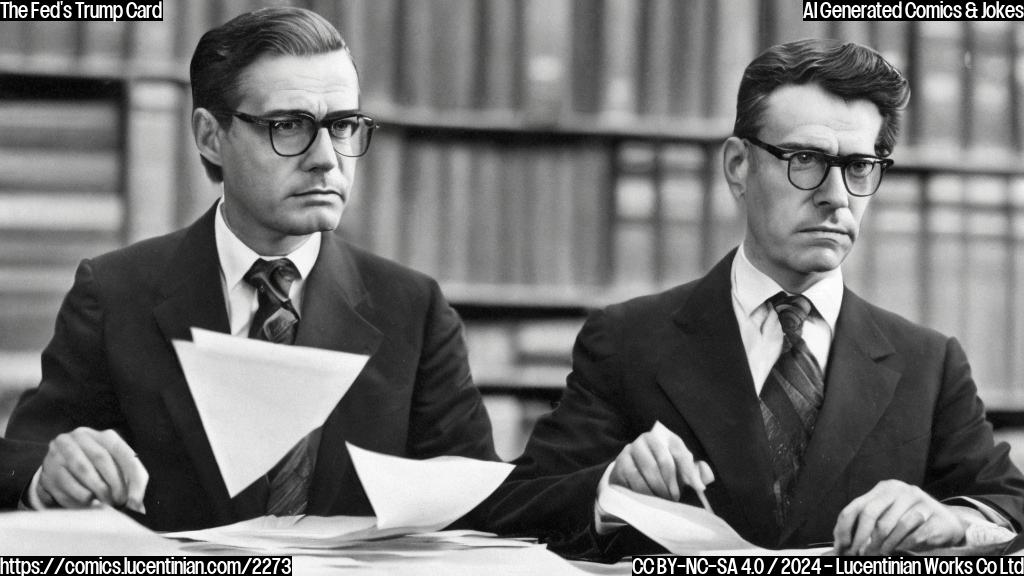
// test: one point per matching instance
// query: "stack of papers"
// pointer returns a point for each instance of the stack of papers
(445, 488)
(258, 399)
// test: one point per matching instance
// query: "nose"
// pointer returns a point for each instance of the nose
(321, 155)
(832, 191)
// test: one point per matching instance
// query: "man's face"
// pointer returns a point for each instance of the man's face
(796, 235)
(272, 202)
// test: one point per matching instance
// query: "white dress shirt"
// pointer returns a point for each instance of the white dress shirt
(235, 260)
(759, 324)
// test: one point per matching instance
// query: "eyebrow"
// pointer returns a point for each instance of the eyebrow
(795, 147)
(791, 147)
(300, 112)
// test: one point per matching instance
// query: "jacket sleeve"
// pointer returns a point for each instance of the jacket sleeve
(963, 459)
(75, 387)
(447, 413)
(553, 489)
(18, 462)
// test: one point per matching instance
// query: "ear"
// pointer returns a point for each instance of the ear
(736, 164)
(207, 133)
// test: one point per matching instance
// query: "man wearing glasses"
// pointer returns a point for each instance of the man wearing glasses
(276, 119)
(766, 390)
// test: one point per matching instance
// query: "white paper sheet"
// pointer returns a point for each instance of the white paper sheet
(682, 529)
(281, 534)
(349, 535)
(257, 399)
(424, 494)
(95, 531)
(410, 497)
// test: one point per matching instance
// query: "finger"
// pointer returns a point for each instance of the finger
(651, 456)
(685, 470)
(70, 456)
(902, 518)
(133, 474)
(706, 475)
(867, 521)
(842, 533)
(44, 495)
(899, 537)
(625, 472)
(924, 535)
(846, 523)
(942, 528)
(96, 448)
(681, 459)
(63, 488)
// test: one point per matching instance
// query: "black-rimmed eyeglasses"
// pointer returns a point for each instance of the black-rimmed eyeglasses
(293, 134)
(808, 169)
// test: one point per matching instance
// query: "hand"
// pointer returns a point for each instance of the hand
(659, 464)
(894, 515)
(85, 465)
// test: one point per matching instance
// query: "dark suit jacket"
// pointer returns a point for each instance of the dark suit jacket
(899, 403)
(111, 365)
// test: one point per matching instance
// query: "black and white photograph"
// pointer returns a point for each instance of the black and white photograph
(511, 287)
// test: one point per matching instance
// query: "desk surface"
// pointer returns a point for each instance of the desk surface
(108, 533)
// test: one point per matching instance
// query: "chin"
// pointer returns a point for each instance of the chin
(319, 221)
(824, 262)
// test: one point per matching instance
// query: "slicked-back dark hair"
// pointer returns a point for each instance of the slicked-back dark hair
(847, 70)
(223, 53)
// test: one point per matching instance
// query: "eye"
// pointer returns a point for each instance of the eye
(805, 159)
(859, 168)
(343, 127)
(288, 126)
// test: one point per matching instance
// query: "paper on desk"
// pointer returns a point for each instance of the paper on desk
(683, 529)
(287, 533)
(680, 528)
(424, 494)
(350, 535)
(95, 531)
(257, 399)
(409, 496)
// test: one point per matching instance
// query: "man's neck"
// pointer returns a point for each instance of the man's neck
(280, 245)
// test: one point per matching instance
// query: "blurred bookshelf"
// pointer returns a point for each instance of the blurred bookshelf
(541, 158)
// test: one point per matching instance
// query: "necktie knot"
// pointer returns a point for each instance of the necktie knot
(793, 311)
(276, 319)
(273, 278)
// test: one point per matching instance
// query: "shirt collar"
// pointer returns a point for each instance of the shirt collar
(236, 258)
(752, 287)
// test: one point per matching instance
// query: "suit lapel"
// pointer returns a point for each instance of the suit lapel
(192, 296)
(706, 376)
(331, 319)
(862, 376)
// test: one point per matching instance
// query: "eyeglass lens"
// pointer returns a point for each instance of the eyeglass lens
(349, 136)
(808, 170)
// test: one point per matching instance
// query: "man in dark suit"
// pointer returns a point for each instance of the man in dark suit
(807, 414)
(276, 119)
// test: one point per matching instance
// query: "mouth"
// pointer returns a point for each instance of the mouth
(320, 193)
(826, 231)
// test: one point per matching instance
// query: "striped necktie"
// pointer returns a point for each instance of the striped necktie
(277, 320)
(790, 399)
